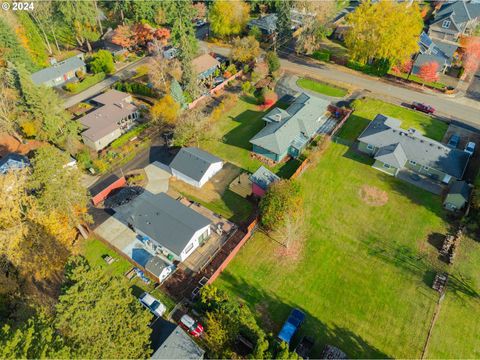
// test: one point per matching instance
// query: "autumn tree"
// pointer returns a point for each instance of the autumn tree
(309, 39)
(273, 62)
(165, 110)
(428, 72)
(162, 72)
(143, 33)
(99, 317)
(471, 53)
(200, 10)
(387, 30)
(123, 36)
(191, 128)
(245, 49)
(228, 17)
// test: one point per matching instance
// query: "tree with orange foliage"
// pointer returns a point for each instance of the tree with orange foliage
(201, 10)
(162, 35)
(471, 53)
(123, 36)
(143, 34)
(429, 72)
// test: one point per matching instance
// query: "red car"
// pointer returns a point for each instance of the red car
(423, 108)
(192, 326)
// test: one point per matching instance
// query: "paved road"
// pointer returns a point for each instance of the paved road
(459, 108)
(125, 73)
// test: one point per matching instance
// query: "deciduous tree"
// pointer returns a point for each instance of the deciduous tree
(245, 49)
(165, 110)
(386, 30)
(228, 17)
(102, 61)
(428, 72)
(471, 53)
(201, 10)
(273, 62)
(123, 36)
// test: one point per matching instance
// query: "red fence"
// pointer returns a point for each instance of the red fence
(101, 191)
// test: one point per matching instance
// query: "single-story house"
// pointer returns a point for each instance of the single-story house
(170, 341)
(205, 65)
(59, 73)
(261, 180)
(458, 196)
(454, 19)
(115, 115)
(195, 166)
(441, 52)
(106, 43)
(173, 229)
(395, 149)
(13, 161)
(288, 131)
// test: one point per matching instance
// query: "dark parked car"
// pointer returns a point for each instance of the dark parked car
(453, 141)
(423, 108)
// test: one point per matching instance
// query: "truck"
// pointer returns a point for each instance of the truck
(290, 327)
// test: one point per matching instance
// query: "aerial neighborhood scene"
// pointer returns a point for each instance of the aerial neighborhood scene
(234, 179)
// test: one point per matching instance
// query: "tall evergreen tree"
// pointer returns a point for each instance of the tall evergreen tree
(11, 50)
(181, 14)
(284, 22)
(99, 317)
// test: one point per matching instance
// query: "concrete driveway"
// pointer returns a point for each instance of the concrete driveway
(158, 176)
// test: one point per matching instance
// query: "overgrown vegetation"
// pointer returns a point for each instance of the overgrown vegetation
(88, 81)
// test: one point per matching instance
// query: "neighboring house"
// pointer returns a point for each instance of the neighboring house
(441, 52)
(395, 149)
(454, 19)
(339, 23)
(169, 52)
(115, 115)
(261, 180)
(106, 43)
(170, 341)
(288, 131)
(457, 196)
(60, 72)
(205, 66)
(13, 161)
(195, 166)
(267, 25)
(174, 229)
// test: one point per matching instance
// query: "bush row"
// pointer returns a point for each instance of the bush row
(135, 88)
(85, 83)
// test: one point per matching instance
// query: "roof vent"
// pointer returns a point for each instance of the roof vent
(431, 144)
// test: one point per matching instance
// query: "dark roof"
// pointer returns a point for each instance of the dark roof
(438, 48)
(13, 161)
(384, 131)
(102, 185)
(170, 341)
(267, 23)
(392, 155)
(164, 219)
(193, 162)
(156, 265)
(460, 188)
(284, 126)
(459, 11)
(263, 177)
(58, 70)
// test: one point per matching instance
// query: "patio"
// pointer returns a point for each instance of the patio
(420, 181)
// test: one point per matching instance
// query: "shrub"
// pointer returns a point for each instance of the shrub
(84, 159)
(102, 61)
(323, 55)
(273, 61)
(135, 88)
(378, 68)
(125, 138)
(248, 88)
(100, 165)
(85, 84)
(29, 129)
(267, 97)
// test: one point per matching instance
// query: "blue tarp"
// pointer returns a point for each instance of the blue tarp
(292, 324)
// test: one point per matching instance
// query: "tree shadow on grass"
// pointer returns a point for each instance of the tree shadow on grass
(250, 123)
(275, 312)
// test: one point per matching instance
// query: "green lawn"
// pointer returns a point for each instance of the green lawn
(365, 273)
(233, 132)
(94, 249)
(367, 109)
(321, 87)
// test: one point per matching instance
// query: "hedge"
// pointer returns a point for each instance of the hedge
(135, 88)
(85, 84)
(323, 55)
(125, 138)
(378, 68)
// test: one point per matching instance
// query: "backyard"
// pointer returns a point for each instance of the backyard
(321, 87)
(233, 132)
(367, 109)
(362, 278)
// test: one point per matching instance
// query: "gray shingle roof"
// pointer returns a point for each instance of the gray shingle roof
(58, 70)
(176, 344)
(267, 23)
(460, 11)
(392, 155)
(460, 188)
(303, 117)
(263, 177)
(193, 162)
(384, 131)
(164, 220)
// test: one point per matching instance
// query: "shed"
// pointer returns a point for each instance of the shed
(261, 180)
(457, 196)
(195, 166)
(101, 190)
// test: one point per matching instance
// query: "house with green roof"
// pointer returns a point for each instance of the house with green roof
(287, 132)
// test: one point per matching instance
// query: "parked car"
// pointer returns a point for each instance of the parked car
(453, 141)
(192, 326)
(305, 346)
(470, 148)
(290, 327)
(200, 22)
(152, 304)
(423, 108)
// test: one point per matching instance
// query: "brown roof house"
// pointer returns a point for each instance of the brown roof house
(205, 65)
(114, 116)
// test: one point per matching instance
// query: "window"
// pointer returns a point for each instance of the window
(411, 162)
(188, 249)
(446, 24)
(425, 168)
(386, 166)
(370, 147)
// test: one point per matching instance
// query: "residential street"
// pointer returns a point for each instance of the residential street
(125, 73)
(456, 108)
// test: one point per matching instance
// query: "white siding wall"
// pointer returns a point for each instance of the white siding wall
(212, 170)
(195, 242)
(185, 178)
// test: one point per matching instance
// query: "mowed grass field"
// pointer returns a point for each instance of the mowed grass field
(321, 87)
(365, 272)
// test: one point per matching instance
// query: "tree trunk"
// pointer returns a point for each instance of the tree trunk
(55, 38)
(89, 47)
(98, 17)
(46, 42)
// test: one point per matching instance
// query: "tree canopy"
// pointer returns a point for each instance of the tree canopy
(228, 17)
(245, 49)
(384, 30)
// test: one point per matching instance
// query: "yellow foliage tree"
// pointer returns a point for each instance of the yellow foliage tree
(386, 30)
(228, 17)
(166, 110)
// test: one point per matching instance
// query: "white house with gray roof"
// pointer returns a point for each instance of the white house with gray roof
(195, 166)
(287, 132)
(175, 229)
(59, 73)
(395, 149)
